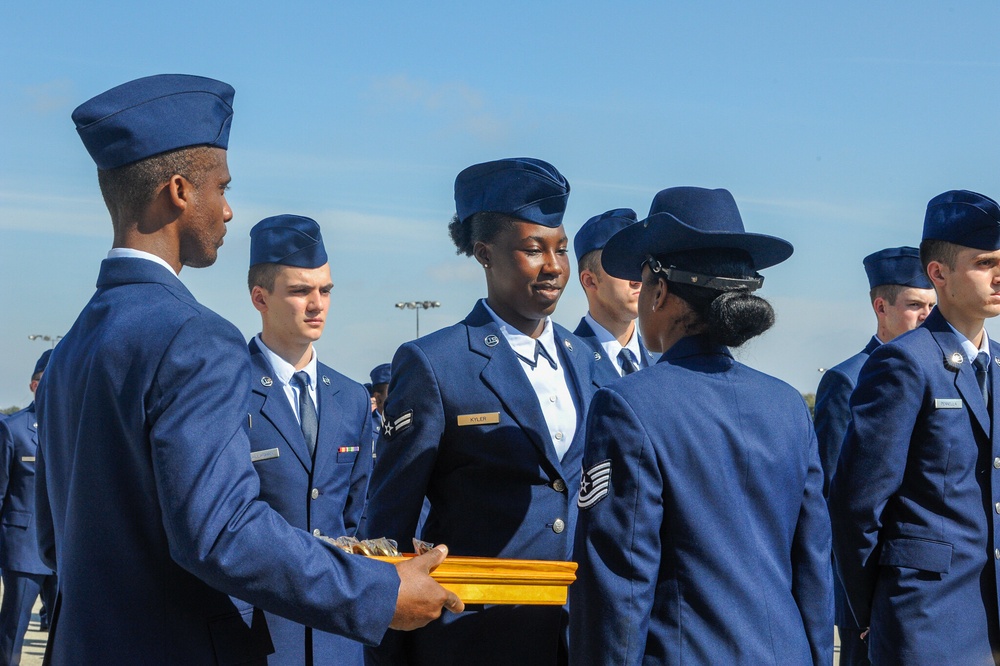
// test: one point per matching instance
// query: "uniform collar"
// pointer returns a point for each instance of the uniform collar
(524, 345)
(970, 350)
(610, 342)
(132, 253)
(282, 369)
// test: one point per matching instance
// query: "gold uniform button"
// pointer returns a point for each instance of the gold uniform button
(316, 532)
(559, 526)
(315, 493)
(559, 485)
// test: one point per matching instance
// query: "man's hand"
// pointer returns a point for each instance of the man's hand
(421, 599)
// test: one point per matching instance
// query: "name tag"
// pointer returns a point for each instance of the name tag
(266, 454)
(488, 418)
(27, 458)
(947, 403)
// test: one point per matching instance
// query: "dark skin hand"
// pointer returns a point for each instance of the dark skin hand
(421, 599)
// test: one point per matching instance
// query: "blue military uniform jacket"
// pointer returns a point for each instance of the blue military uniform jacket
(495, 485)
(147, 499)
(916, 502)
(326, 496)
(18, 538)
(833, 414)
(703, 536)
(605, 370)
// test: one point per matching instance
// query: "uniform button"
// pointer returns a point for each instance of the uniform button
(559, 485)
(552, 398)
(315, 493)
(316, 532)
(996, 553)
(996, 463)
(559, 526)
(997, 507)
(559, 437)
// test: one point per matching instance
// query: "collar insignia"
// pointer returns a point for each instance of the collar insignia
(597, 356)
(569, 345)
(266, 381)
(492, 341)
(326, 380)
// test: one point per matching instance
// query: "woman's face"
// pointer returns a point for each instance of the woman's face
(527, 268)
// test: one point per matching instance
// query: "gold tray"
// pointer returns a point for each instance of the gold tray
(490, 580)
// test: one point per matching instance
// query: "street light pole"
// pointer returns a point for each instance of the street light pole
(46, 338)
(418, 306)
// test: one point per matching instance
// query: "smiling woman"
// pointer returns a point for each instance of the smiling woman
(485, 418)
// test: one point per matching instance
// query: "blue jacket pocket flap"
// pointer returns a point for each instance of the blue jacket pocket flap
(17, 518)
(922, 554)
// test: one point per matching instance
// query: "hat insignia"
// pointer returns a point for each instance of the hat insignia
(492, 341)
(955, 360)
(569, 345)
(326, 380)
(266, 381)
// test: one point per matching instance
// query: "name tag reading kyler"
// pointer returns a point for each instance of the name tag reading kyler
(487, 418)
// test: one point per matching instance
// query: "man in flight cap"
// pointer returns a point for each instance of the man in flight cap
(146, 495)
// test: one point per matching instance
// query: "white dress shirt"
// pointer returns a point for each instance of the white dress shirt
(611, 345)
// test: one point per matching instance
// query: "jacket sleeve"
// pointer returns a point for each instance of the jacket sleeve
(207, 490)
(408, 448)
(812, 572)
(833, 413)
(884, 407)
(617, 542)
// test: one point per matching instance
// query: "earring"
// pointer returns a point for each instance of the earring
(486, 265)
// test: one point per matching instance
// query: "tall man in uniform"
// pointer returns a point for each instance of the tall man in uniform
(145, 492)
(902, 297)
(309, 426)
(608, 328)
(24, 574)
(915, 501)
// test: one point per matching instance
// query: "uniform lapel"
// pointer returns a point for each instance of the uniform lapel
(275, 407)
(331, 419)
(578, 373)
(965, 373)
(605, 366)
(505, 377)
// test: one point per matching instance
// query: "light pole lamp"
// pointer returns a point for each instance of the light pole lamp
(417, 306)
(46, 338)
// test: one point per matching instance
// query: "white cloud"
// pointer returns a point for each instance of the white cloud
(50, 96)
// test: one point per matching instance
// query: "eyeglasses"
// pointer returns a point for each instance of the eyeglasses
(674, 274)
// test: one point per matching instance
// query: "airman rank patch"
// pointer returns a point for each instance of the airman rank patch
(595, 484)
(393, 427)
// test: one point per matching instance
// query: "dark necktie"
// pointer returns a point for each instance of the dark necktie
(539, 351)
(982, 364)
(628, 365)
(307, 411)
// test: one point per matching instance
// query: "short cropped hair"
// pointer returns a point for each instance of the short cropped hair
(939, 250)
(482, 227)
(263, 276)
(590, 262)
(129, 189)
(888, 292)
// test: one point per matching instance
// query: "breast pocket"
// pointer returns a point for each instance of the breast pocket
(17, 519)
(347, 454)
(920, 554)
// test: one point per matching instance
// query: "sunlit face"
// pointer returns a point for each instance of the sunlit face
(528, 270)
(910, 310)
(295, 312)
(616, 297)
(972, 289)
(204, 225)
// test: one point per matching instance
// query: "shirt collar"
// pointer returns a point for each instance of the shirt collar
(282, 369)
(610, 342)
(132, 253)
(971, 352)
(524, 344)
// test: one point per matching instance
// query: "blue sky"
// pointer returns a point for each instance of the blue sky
(831, 125)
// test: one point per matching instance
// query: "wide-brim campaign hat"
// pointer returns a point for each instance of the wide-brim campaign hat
(595, 232)
(689, 218)
(523, 187)
(154, 115)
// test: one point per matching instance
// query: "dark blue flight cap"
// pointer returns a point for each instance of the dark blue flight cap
(43, 361)
(688, 218)
(154, 115)
(522, 187)
(963, 218)
(381, 373)
(596, 231)
(896, 265)
(289, 240)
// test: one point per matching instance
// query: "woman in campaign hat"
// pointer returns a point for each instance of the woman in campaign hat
(485, 419)
(702, 534)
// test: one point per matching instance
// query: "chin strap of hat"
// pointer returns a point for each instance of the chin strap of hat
(674, 274)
